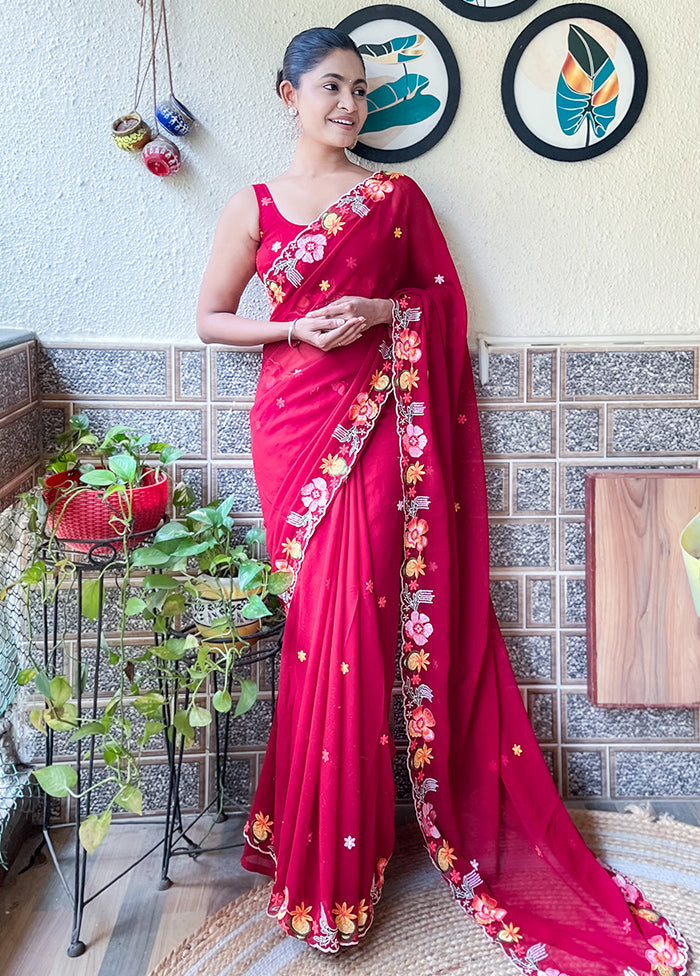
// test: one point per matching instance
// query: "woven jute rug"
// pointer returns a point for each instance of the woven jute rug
(419, 929)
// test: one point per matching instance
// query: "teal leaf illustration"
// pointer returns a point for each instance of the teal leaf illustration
(588, 86)
(395, 51)
(401, 102)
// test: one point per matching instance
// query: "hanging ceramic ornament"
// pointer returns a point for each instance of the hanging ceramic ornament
(171, 113)
(161, 157)
(130, 132)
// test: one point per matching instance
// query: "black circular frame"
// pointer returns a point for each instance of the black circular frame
(501, 12)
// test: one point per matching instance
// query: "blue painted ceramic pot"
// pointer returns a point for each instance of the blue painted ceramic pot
(174, 117)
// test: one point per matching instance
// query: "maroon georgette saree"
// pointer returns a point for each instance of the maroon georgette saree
(369, 466)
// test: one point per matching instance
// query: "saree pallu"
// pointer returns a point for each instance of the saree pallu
(369, 466)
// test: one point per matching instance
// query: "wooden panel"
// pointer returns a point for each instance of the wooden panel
(643, 632)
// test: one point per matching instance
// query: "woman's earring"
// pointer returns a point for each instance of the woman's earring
(295, 124)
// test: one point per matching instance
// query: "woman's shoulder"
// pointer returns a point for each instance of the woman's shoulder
(242, 210)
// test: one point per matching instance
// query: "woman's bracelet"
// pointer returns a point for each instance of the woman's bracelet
(291, 344)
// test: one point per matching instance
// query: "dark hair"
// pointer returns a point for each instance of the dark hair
(308, 49)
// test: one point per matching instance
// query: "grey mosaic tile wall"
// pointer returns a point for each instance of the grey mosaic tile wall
(20, 420)
(549, 415)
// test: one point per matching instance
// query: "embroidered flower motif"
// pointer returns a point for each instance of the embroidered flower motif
(325, 285)
(283, 566)
(663, 955)
(397, 232)
(262, 827)
(380, 381)
(415, 534)
(407, 346)
(315, 494)
(510, 933)
(421, 724)
(418, 660)
(486, 910)
(277, 294)
(301, 655)
(344, 918)
(427, 821)
(377, 189)
(422, 757)
(300, 920)
(334, 465)
(363, 410)
(349, 842)
(446, 857)
(414, 440)
(629, 891)
(344, 667)
(419, 627)
(439, 280)
(517, 750)
(408, 379)
(457, 506)
(266, 201)
(369, 586)
(462, 419)
(280, 402)
(325, 755)
(332, 223)
(384, 739)
(415, 473)
(381, 602)
(276, 246)
(362, 914)
(310, 248)
(626, 926)
(415, 567)
(291, 548)
(351, 263)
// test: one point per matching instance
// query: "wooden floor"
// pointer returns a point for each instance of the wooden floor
(132, 925)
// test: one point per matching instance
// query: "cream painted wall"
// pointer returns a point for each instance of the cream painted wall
(95, 246)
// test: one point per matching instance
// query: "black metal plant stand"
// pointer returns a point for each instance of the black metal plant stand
(103, 557)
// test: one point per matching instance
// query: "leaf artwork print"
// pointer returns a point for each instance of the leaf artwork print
(402, 102)
(588, 86)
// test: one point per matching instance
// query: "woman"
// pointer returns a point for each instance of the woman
(368, 461)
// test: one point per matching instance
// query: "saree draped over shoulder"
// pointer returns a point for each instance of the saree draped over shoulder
(369, 467)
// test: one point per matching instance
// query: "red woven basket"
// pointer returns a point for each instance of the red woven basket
(87, 517)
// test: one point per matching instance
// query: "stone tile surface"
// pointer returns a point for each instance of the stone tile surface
(582, 430)
(241, 483)
(103, 372)
(586, 721)
(520, 543)
(656, 773)
(540, 600)
(575, 657)
(541, 709)
(181, 427)
(505, 372)
(542, 366)
(238, 781)
(574, 609)
(646, 373)
(236, 373)
(189, 364)
(232, 432)
(14, 381)
(518, 432)
(505, 595)
(496, 487)
(655, 430)
(531, 656)
(533, 489)
(583, 774)
(574, 544)
(19, 444)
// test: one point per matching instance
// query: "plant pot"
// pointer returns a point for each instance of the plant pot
(81, 518)
(220, 598)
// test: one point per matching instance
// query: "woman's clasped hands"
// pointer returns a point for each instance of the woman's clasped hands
(341, 322)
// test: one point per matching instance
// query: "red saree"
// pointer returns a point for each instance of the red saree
(368, 461)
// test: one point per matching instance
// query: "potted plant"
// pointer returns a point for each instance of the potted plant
(111, 490)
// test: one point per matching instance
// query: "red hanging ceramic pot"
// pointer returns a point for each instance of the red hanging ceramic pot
(161, 157)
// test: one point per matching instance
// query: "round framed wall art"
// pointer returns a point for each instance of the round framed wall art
(488, 9)
(574, 82)
(413, 82)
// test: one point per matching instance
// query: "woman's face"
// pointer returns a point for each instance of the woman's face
(332, 99)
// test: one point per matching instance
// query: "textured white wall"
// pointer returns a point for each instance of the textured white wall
(95, 246)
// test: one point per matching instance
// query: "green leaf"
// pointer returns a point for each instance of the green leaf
(173, 605)
(112, 753)
(90, 728)
(279, 582)
(160, 582)
(222, 700)
(250, 574)
(60, 691)
(199, 716)
(149, 730)
(62, 719)
(123, 466)
(43, 685)
(90, 598)
(36, 718)
(256, 534)
(172, 530)
(130, 798)
(249, 692)
(149, 556)
(183, 496)
(181, 721)
(134, 606)
(34, 574)
(79, 421)
(254, 608)
(93, 830)
(56, 780)
(25, 676)
(99, 478)
(169, 454)
(150, 703)
(172, 649)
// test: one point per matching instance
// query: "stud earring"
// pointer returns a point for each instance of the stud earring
(293, 111)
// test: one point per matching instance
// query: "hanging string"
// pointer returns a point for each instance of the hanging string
(137, 94)
(154, 39)
(151, 60)
(167, 43)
